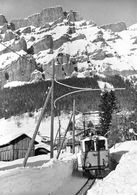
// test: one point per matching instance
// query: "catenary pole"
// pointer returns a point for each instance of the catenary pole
(36, 129)
(73, 144)
(52, 112)
(59, 134)
(62, 141)
(84, 125)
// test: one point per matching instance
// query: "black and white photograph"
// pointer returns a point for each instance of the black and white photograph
(68, 97)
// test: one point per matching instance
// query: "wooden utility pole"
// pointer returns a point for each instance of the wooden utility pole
(36, 129)
(84, 124)
(52, 112)
(73, 146)
(62, 141)
(59, 134)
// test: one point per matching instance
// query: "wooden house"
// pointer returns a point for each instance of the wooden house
(15, 146)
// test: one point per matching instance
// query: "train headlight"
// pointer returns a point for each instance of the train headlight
(105, 163)
(88, 165)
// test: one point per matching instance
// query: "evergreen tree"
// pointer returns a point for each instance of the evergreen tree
(107, 106)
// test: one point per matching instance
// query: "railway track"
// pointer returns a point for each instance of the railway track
(88, 184)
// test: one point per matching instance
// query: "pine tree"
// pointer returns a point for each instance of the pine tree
(107, 106)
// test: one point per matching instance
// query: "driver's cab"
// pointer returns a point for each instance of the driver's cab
(94, 143)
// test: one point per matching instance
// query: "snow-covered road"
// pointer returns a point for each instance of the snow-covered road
(39, 181)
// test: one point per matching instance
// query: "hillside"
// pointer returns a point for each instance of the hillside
(30, 97)
(83, 54)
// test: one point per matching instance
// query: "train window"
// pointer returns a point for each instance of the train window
(89, 145)
(101, 145)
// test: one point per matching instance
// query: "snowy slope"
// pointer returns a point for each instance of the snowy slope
(16, 125)
(25, 124)
(122, 49)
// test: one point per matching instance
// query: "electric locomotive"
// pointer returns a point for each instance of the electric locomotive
(94, 154)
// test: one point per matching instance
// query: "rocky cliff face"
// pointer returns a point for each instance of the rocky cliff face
(37, 20)
(43, 44)
(19, 69)
(2, 20)
(118, 27)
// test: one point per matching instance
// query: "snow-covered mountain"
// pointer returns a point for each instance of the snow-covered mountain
(79, 48)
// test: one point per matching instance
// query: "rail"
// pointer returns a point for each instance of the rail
(87, 185)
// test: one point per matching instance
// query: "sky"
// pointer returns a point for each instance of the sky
(100, 11)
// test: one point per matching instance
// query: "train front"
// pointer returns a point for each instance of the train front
(94, 153)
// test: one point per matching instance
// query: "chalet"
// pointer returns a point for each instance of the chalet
(15, 146)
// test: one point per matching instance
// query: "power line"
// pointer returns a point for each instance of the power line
(12, 50)
(80, 90)
(73, 87)
(73, 92)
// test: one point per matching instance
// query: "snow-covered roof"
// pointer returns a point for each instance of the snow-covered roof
(9, 138)
(42, 145)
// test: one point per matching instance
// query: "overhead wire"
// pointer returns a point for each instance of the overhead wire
(69, 86)
(73, 92)
(7, 47)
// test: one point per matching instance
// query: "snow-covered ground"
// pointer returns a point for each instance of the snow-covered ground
(41, 180)
(55, 176)
(45, 176)
(123, 180)
(26, 124)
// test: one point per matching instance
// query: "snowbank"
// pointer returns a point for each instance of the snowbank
(121, 148)
(123, 180)
(128, 146)
(5, 165)
(42, 180)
